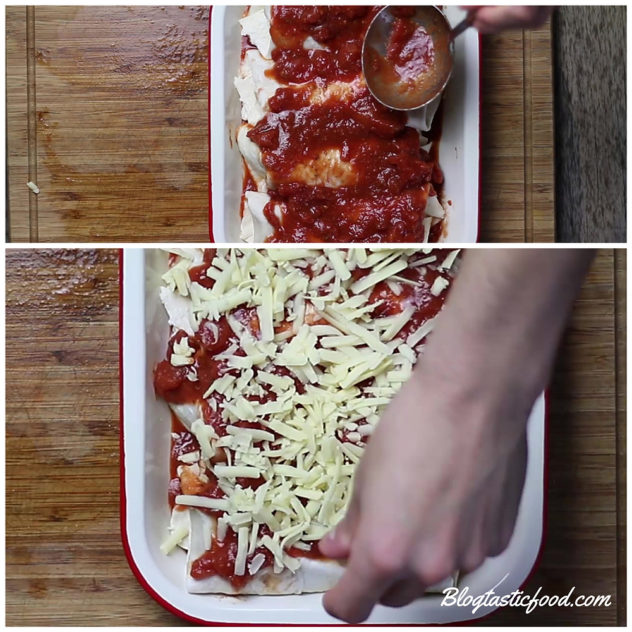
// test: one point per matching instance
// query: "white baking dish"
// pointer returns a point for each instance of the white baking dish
(145, 474)
(458, 152)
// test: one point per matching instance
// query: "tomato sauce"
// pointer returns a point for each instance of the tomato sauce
(172, 384)
(198, 273)
(248, 184)
(426, 304)
(410, 49)
(184, 442)
(220, 560)
(417, 62)
(340, 29)
(342, 170)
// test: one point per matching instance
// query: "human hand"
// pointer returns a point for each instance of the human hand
(437, 490)
(439, 484)
(490, 19)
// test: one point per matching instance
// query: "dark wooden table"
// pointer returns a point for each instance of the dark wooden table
(590, 123)
(65, 564)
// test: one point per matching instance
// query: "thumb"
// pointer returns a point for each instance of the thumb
(337, 543)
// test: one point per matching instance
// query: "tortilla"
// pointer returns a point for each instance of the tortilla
(272, 407)
(312, 576)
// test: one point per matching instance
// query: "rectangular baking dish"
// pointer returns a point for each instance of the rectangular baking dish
(145, 439)
(459, 152)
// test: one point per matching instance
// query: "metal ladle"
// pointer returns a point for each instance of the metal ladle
(410, 93)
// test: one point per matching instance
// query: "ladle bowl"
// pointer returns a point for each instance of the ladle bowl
(408, 55)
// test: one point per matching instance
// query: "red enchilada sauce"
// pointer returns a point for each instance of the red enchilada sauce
(338, 28)
(214, 337)
(417, 61)
(410, 48)
(386, 178)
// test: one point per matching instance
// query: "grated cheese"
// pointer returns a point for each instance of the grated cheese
(176, 536)
(440, 284)
(315, 318)
(220, 504)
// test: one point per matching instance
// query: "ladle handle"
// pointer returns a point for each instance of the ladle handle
(462, 25)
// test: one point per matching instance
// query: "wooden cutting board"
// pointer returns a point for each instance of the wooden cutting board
(107, 113)
(64, 559)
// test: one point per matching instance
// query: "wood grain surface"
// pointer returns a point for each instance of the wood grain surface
(584, 544)
(518, 190)
(590, 123)
(64, 560)
(107, 113)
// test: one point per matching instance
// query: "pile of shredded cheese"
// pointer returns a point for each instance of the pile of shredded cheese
(315, 320)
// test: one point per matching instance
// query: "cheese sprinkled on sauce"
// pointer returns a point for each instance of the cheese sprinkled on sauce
(318, 343)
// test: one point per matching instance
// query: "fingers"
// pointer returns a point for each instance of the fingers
(511, 496)
(402, 593)
(473, 544)
(505, 493)
(436, 557)
(495, 19)
(491, 522)
(394, 552)
(379, 558)
(337, 543)
(359, 589)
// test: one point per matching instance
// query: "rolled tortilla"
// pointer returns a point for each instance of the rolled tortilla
(187, 413)
(311, 576)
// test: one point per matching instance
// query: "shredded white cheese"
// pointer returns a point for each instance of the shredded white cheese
(293, 391)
